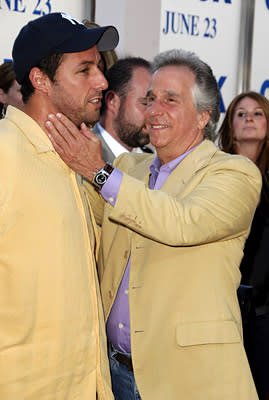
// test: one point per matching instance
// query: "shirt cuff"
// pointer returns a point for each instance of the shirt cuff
(111, 188)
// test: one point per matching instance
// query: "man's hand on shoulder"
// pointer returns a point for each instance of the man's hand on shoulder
(80, 149)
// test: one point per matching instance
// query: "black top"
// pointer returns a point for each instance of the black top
(255, 263)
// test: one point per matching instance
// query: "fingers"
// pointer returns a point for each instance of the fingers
(58, 141)
(81, 150)
(64, 125)
(59, 130)
(88, 133)
(59, 144)
(57, 147)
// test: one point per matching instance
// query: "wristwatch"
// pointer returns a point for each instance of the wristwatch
(102, 176)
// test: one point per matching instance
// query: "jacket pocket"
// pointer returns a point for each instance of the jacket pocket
(206, 332)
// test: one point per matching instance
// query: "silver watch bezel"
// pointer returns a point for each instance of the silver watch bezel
(104, 174)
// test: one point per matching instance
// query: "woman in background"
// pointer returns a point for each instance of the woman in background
(9, 88)
(245, 130)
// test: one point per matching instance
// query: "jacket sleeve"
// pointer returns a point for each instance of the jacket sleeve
(218, 204)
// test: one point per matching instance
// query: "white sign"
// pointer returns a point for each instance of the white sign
(260, 55)
(210, 28)
(14, 14)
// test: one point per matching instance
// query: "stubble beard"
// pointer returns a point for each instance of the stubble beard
(79, 115)
(68, 106)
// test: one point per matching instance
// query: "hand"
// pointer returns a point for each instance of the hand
(80, 149)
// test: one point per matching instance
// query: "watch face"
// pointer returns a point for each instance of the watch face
(101, 178)
(102, 175)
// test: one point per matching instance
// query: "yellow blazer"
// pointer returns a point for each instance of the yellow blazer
(186, 242)
(52, 338)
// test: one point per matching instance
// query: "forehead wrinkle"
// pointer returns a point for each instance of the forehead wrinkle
(167, 92)
(88, 62)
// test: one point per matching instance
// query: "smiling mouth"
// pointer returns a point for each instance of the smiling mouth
(159, 126)
(95, 101)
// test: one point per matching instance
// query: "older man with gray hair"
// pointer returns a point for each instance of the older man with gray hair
(173, 232)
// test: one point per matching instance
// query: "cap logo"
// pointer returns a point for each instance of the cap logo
(73, 20)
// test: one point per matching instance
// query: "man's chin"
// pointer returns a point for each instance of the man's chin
(90, 122)
(144, 139)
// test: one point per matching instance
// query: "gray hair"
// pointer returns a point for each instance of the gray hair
(205, 92)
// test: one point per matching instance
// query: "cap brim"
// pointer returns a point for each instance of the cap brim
(109, 39)
(106, 38)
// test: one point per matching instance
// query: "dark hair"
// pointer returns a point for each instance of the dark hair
(226, 133)
(7, 78)
(49, 66)
(120, 74)
(205, 91)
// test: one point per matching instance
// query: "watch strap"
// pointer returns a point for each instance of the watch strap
(102, 176)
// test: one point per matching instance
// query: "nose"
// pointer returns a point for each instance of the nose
(154, 108)
(100, 80)
(249, 116)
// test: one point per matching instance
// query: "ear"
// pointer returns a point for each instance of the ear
(3, 96)
(39, 80)
(203, 119)
(112, 101)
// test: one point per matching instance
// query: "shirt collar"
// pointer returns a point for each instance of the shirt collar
(116, 148)
(156, 166)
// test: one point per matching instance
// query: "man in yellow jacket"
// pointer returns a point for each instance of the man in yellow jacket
(52, 337)
(173, 233)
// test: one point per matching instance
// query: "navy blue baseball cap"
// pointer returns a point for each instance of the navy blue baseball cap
(57, 33)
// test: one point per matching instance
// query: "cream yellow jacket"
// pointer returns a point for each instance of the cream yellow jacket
(52, 339)
(186, 242)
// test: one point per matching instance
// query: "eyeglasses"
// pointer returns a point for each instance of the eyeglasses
(247, 114)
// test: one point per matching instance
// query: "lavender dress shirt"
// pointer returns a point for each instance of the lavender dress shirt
(118, 324)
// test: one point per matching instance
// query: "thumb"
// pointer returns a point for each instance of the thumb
(88, 133)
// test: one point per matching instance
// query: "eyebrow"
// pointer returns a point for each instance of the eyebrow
(87, 62)
(166, 92)
(243, 108)
(171, 93)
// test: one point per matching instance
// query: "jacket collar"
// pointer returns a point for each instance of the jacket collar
(198, 159)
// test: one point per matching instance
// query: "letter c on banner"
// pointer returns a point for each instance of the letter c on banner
(265, 86)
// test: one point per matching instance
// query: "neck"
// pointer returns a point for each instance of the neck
(166, 154)
(39, 110)
(250, 150)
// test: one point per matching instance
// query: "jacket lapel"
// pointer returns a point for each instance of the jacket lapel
(195, 161)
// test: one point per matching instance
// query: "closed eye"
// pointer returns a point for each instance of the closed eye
(84, 70)
(143, 101)
(171, 100)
